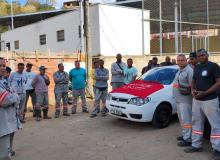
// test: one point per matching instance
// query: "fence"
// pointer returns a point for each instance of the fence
(182, 26)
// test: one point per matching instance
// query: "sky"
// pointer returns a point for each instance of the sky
(60, 2)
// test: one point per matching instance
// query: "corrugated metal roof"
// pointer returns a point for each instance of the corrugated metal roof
(29, 18)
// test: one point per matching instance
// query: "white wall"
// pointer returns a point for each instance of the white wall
(122, 26)
(126, 23)
(28, 36)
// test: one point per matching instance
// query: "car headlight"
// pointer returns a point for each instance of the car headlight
(139, 101)
(109, 97)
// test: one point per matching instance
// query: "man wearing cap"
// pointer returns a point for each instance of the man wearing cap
(150, 66)
(41, 82)
(61, 80)
(30, 92)
(78, 78)
(17, 81)
(167, 62)
(193, 60)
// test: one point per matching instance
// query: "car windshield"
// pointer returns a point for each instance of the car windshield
(163, 75)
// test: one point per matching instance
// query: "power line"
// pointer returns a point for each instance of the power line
(108, 39)
(116, 36)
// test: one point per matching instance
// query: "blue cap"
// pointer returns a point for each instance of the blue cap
(42, 67)
(154, 57)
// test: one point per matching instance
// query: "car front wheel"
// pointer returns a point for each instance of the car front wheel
(162, 116)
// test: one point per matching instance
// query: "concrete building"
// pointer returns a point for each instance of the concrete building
(114, 29)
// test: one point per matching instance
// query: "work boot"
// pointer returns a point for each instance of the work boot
(73, 112)
(56, 116)
(92, 116)
(180, 138)
(34, 112)
(66, 114)
(216, 155)
(184, 143)
(46, 114)
(86, 111)
(12, 153)
(22, 121)
(38, 115)
(193, 149)
(35, 115)
(23, 116)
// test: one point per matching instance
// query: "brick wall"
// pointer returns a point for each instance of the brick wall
(51, 68)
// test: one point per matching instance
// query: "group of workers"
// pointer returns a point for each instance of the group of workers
(194, 90)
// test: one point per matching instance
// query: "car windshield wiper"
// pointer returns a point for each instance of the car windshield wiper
(146, 81)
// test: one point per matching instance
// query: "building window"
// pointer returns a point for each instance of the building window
(60, 36)
(8, 45)
(16, 44)
(42, 39)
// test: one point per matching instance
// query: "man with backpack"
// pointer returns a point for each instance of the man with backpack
(117, 72)
(150, 66)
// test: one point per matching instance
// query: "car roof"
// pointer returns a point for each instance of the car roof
(172, 66)
(176, 67)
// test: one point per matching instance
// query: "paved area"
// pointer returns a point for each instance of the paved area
(79, 137)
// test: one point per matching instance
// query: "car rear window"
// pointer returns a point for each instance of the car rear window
(164, 75)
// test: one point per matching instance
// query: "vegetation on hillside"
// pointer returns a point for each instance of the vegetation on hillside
(29, 7)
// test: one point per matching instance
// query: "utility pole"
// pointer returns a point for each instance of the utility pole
(88, 44)
(176, 27)
(12, 23)
(81, 26)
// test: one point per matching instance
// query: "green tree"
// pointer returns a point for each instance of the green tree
(4, 9)
(42, 7)
(29, 7)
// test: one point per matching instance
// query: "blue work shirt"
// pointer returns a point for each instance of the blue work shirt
(78, 78)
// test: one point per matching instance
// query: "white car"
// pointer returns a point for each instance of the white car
(149, 99)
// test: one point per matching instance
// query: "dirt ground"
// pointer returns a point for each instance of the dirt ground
(78, 137)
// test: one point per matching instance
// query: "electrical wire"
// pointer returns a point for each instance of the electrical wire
(117, 37)
(108, 39)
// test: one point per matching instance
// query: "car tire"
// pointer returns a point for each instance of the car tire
(162, 116)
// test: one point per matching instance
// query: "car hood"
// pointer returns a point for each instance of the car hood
(139, 88)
